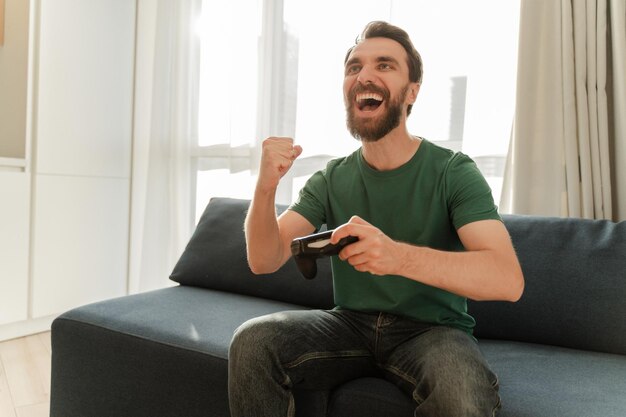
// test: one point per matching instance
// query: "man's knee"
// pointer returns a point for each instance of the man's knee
(253, 337)
(465, 391)
(455, 379)
(264, 336)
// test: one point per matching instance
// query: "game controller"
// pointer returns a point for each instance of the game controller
(307, 249)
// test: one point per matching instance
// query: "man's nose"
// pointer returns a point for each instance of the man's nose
(366, 75)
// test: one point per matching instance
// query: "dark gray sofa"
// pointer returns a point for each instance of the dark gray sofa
(559, 352)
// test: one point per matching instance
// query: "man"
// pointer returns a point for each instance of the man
(429, 238)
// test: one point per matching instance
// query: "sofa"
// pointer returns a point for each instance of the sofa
(559, 352)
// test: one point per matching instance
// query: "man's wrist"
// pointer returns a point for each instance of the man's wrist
(264, 191)
(407, 257)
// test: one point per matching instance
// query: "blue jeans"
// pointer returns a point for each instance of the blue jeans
(440, 367)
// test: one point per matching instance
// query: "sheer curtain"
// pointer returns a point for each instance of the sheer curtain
(166, 108)
(568, 146)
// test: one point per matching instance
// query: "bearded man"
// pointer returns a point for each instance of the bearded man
(429, 238)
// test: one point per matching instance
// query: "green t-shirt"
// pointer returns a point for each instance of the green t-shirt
(423, 202)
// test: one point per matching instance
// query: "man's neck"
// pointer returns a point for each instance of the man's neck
(392, 151)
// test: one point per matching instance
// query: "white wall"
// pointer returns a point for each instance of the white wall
(73, 196)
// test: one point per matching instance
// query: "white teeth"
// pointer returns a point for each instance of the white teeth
(366, 96)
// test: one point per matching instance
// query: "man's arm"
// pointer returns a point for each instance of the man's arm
(268, 238)
(487, 270)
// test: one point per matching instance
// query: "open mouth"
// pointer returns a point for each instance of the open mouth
(368, 101)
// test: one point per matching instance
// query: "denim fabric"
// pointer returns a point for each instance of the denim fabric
(441, 368)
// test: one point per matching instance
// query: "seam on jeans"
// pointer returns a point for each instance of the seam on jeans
(496, 385)
(418, 400)
(291, 409)
(497, 407)
(407, 378)
(377, 331)
(326, 355)
(399, 373)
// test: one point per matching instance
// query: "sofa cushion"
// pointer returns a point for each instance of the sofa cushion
(191, 318)
(547, 381)
(575, 272)
(161, 353)
(215, 258)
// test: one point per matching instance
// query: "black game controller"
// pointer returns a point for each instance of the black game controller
(307, 249)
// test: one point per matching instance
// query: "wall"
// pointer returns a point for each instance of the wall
(64, 213)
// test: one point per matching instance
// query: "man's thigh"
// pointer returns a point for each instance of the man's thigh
(317, 349)
(440, 358)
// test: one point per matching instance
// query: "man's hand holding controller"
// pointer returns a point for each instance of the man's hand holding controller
(307, 249)
(277, 157)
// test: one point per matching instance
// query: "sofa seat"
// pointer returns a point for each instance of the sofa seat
(543, 381)
(179, 334)
(193, 319)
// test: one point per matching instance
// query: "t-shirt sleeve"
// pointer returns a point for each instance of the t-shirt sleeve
(312, 201)
(468, 194)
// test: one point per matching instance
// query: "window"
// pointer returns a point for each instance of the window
(275, 68)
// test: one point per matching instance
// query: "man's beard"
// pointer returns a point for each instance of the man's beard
(374, 129)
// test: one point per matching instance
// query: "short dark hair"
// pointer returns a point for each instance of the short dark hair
(380, 29)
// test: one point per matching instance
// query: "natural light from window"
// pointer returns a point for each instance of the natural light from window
(276, 68)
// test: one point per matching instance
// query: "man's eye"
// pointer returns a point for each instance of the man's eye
(352, 69)
(384, 66)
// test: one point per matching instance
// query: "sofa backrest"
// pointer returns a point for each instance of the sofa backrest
(575, 273)
(575, 293)
(215, 258)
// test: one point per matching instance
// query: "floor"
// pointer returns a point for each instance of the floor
(25, 376)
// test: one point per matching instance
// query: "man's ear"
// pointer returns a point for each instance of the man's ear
(414, 89)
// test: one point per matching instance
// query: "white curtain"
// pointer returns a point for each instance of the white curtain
(166, 108)
(568, 148)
